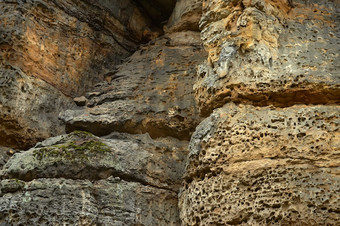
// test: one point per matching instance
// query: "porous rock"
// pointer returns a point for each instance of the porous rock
(264, 165)
(269, 52)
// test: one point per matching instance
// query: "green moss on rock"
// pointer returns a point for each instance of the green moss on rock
(75, 149)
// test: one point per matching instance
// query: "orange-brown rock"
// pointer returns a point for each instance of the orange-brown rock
(151, 92)
(53, 50)
(269, 52)
(264, 166)
(69, 44)
(271, 157)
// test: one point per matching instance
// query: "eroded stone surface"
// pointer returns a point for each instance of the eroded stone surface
(81, 155)
(269, 52)
(69, 44)
(253, 165)
(29, 109)
(151, 92)
(81, 202)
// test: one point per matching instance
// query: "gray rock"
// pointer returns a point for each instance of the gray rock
(29, 109)
(80, 155)
(81, 202)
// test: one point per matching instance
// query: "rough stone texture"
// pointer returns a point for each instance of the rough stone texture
(185, 16)
(252, 165)
(82, 202)
(271, 161)
(5, 154)
(51, 48)
(80, 155)
(29, 109)
(151, 92)
(70, 44)
(269, 52)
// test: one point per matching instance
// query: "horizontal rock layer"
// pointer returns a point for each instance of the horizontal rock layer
(251, 165)
(81, 179)
(69, 44)
(80, 155)
(151, 92)
(82, 202)
(269, 52)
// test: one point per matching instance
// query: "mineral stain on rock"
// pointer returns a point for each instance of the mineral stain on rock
(165, 112)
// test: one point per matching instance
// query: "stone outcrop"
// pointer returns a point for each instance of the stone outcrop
(60, 48)
(151, 92)
(82, 202)
(269, 158)
(269, 53)
(251, 165)
(80, 155)
(113, 181)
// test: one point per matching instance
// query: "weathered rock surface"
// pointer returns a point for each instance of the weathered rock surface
(252, 165)
(60, 47)
(80, 155)
(185, 16)
(70, 44)
(270, 158)
(29, 109)
(82, 202)
(121, 179)
(269, 52)
(151, 92)
(5, 155)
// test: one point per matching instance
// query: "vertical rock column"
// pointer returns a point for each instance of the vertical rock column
(268, 151)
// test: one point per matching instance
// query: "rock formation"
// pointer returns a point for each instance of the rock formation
(270, 157)
(164, 112)
(54, 50)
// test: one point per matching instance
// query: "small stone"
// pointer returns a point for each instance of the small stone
(80, 101)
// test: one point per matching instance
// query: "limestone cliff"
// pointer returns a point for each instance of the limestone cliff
(164, 112)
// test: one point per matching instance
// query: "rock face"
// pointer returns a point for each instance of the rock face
(50, 50)
(188, 112)
(256, 165)
(81, 155)
(70, 44)
(151, 92)
(111, 181)
(185, 16)
(145, 107)
(288, 53)
(29, 109)
(82, 202)
(269, 158)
